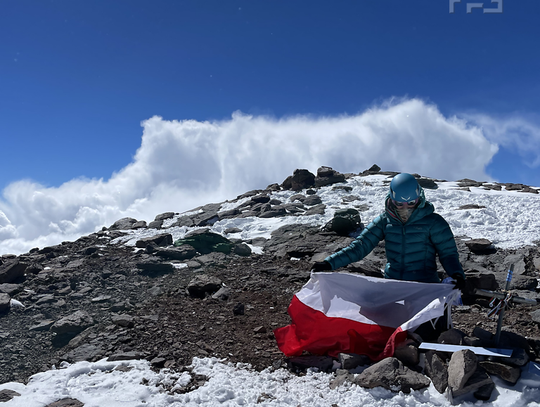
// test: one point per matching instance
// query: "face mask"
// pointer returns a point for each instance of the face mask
(404, 213)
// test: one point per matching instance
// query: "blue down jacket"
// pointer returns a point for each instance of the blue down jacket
(410, 248)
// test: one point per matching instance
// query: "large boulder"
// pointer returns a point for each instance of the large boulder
(123, 224)
(391, 374)
(202, 285)
(164, 239)
(11, 271)
(154, 266)
(73, 324)
(480, 246)
(461, 367)
(183, 252)
(437, 371)
(301, 179)
(344, 222)
(328, 176)
(206, 242)
(163, 216)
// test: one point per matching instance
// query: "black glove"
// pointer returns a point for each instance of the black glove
(460, 282)
(321, 266)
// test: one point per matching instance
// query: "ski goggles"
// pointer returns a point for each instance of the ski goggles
(409, 204)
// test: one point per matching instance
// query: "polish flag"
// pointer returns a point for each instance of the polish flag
(338, 312)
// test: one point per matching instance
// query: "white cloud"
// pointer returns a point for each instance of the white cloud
(183, 164)
(516, 133)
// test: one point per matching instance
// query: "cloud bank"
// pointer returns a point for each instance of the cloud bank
(184, 164)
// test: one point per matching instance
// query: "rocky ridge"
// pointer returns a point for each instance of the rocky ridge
(208, 295)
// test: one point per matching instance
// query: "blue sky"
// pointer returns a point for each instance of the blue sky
(445, 95)
(78, 77)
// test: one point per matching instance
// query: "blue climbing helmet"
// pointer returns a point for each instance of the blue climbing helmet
(404, 188)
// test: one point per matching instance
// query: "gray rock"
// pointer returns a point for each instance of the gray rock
(139, 225)
(88, 251)
(222, 294)
(232, 213)
(344, 222)
(427, 183)
(478, 380)
(123, 224)
(154, 265)
(484, 392)
(507, 373)
(228, 231)
(6, 395)
(471, 206)
(472, 341)
(312, 200)
(352, 360)
(126, 356)
(212, 259)
(301, 179)
(163, 216)
(297, 197)
(158, 362)
(164, 239)
(4, 302)
(316, 210)
(484, 281)
(156, 224)
(463, 183)
(67, 402)
(101, 299)
(437, 371)
(238, 309)
(407, 354)
(45, 299)
(260, 199)
(84, 352)
(391, 374)
(183, 252)
(155, 291)
(202, 285)
(205, 241)
(123, 320)
(242, 249)
(328, 176)
(461, 367)
(192, 264)
(300, 363)
(519, 358)
(486, 337)
(480, 246)
(535, 316)
(42, 326)
(342, 376)
(273, 212)
(452, 337)
(12, 270)
(10, 288)
(73, 324)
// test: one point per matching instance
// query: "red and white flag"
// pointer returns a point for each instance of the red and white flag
(337, 312)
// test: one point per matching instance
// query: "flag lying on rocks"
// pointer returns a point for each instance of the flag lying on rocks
(337, 312)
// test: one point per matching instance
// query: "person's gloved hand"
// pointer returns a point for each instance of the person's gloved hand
(460, 282)
(321, 266)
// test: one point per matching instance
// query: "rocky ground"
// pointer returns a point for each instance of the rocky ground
(120, 303)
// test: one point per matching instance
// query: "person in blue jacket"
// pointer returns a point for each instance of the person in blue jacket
(414, 235)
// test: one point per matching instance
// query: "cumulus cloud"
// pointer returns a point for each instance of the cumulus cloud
(515, 133)
(184, 164)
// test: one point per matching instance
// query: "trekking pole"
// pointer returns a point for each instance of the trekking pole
(503, 304)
